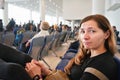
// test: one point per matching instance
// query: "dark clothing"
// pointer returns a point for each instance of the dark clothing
(103, 62)
(12, 63)
(1, 25)
(12, 71)
(74, 45)
(13, 55)
(63, 35)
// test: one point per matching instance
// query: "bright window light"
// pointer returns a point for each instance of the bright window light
(21, 15)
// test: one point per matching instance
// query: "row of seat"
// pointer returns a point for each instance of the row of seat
(8, 37)
(44, 44)
(40, 47)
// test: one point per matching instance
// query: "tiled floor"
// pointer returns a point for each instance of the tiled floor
(52, 60)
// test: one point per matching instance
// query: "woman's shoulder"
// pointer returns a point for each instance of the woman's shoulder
(103, 59)
(105, 64)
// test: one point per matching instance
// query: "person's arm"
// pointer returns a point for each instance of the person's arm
(27, 43)
(44, 69)
(37, 69)
(34, 71)
(10, 54)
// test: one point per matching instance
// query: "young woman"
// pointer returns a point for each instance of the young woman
(94, 60)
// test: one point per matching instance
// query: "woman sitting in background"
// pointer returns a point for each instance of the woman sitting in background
(44, 32)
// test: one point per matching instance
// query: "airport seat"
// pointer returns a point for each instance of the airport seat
(36, 47)
(117, 60)
(62, 64)
(69, 55)
(8, 38)
(72, 50)
(49, 40)
(64, 60)
(27, 35)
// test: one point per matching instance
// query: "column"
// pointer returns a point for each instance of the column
(5, 14)
(42, 10)
(31, 15)
(98, 7)
(57, 16)
(72, 24)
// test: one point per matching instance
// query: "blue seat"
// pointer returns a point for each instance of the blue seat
(72, 50)
(117, 60)
(62, 64)
(69, 55)
(36, 47)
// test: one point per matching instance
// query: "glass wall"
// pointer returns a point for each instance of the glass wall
(51, 19)
(22, 15)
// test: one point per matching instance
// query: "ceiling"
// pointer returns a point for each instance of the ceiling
(51, 5)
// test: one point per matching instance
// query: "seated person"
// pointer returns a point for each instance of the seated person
(19, 37)
(44, 32)
(95, 55)
(116, 34)
(64, 33)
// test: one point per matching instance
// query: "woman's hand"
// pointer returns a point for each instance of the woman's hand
(44, 69)
(33, 69)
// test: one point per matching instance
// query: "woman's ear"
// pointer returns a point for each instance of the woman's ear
(107, 34)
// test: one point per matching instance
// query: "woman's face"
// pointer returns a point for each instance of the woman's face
(92, 36)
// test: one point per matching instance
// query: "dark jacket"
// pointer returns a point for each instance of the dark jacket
(103, 62)
(12, 63)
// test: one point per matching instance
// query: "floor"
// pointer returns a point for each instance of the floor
(52, 60)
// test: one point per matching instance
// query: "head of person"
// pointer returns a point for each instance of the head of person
(64, 27)
(44, 25)
(55, 27)
(114, 28)
(95, 33)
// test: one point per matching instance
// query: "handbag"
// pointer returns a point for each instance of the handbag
(57, 75)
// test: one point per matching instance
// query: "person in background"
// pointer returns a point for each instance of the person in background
(1, 25)
(95, 55)
(19, 36)
(44, 32)
(115, 30)
(64, 33)
(55, 30)
(116, 34)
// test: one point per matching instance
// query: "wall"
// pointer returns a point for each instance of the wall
(76, 9)
(113, 15)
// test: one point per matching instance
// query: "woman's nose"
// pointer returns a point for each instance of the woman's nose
(86, 35)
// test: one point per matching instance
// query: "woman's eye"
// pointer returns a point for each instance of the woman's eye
(92, 31)
(81, 31)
